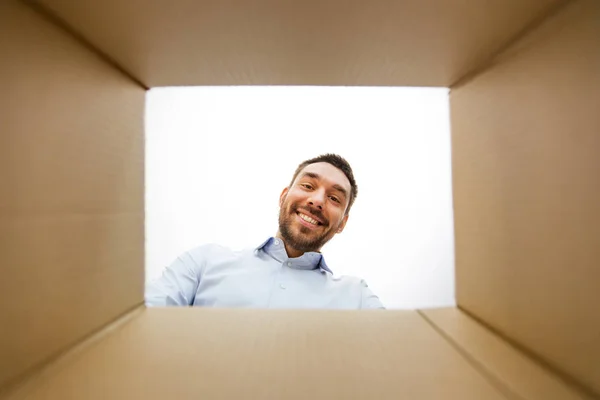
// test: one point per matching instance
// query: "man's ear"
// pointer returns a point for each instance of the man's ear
(282, 196)
(343, 224)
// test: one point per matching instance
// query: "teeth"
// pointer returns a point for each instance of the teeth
(308, 219)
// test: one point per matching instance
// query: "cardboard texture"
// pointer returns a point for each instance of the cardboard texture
(259, 354)
(313, 42)
(71, 198)
(525, 133)
(498, 359)
(526, 150)
(272, 354)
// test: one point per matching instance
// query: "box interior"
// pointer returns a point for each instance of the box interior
(525, 136)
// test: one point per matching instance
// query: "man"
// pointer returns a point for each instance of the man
(286, 271)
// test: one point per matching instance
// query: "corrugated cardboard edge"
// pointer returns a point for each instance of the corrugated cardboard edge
(486, 366)
(20, 387)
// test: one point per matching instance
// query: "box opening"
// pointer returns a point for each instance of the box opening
(217, 159)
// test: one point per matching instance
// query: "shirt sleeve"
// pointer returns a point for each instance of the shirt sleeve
(177, 285)
(369, 299)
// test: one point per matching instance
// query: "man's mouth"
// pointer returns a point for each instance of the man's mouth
(308, 219)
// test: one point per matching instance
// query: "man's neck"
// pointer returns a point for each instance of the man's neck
(291, 252)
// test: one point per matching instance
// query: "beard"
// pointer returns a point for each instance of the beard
(303, 239)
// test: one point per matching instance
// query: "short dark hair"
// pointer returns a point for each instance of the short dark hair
(340, 163)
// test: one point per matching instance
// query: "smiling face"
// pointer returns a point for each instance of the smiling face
(313, 208)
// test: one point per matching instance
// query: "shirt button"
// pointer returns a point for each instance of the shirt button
(281, 285)
(289, 263)
(277, 242)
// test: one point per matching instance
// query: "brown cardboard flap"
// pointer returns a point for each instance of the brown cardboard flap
(315, 42)
(496, 357)
(526, 177)
(188, 353)
(71, 193)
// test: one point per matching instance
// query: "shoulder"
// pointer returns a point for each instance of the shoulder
(213, 252)
(209, 250)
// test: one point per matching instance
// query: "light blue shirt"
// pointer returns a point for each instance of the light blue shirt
(264, 277)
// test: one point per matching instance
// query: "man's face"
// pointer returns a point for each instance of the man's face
(312, 209)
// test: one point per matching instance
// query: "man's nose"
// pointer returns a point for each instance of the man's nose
(317, 199)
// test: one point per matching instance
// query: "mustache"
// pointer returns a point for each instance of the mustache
(314, 211)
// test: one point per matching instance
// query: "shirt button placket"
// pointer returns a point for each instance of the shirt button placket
(285, 263)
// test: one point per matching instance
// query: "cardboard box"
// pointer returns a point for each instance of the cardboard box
(525, 101)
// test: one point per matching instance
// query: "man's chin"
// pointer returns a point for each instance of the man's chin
(309, 233)
(302, 237)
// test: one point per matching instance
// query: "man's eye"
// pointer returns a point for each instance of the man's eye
(306, 185)
(334, 199)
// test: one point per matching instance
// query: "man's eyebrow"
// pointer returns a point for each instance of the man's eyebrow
(317, 176)
(311, 175)
(341, 189)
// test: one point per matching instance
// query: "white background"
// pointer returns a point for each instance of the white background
(217, 159)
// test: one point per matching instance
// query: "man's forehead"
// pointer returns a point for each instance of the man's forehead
(328, 173)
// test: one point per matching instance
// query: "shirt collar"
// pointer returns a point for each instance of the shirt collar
(275, 248)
